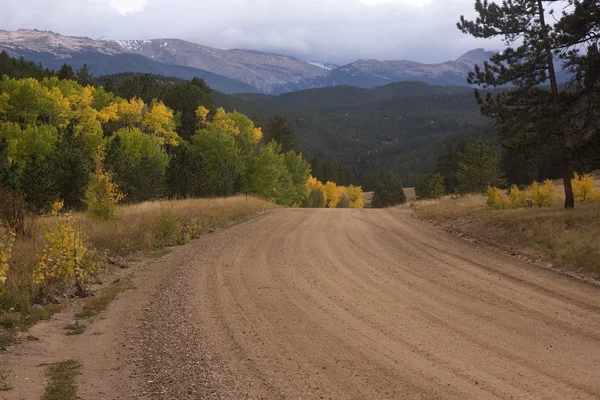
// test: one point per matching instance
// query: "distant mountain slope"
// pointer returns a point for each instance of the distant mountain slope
(53, 50)
(373, 73)
(350, 96)
(263, 71)
(246, 70)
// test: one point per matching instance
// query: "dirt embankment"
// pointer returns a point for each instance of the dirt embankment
(344, 304)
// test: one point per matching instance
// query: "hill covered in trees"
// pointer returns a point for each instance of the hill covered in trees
(396, 128)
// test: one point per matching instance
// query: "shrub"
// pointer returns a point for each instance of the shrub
(167, 229)
(517, 198)
(316, 198)
(496, 198)
(388, 192)
(542, 194)
(431, 187)
(66, 261)
(583, 188)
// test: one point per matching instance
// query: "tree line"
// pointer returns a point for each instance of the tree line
(61, 140)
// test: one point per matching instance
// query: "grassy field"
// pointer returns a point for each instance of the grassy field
(140, 228)
(567, 237)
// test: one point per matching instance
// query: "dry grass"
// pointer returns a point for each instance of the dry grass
(137, 228)
(152, 225)
(570, 236)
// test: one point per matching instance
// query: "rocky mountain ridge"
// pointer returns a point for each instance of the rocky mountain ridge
(230, 70)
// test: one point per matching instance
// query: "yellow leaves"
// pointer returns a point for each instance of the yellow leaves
(59, 108)
(224, 122)
(159, 122)
(539, 194)
(542, 194)
(102, 194)
(257, 135)
(583, 188)
(7, 239)
(65, 259)
(336, 196)
(89, 126)
(109, 113)
(130, 111)
(201, 114)
(356, 194)
(332, 194)
(496, 198)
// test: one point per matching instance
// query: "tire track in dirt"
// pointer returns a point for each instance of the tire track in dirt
(356, 304)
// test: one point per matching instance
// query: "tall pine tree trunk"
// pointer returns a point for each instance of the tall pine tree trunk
(562, 141)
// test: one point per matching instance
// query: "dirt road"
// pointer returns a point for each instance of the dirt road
(367, 304)
(331, 304)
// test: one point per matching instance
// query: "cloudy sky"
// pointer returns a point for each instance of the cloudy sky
(338, 31)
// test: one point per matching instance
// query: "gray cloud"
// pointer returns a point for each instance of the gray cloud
(328, 30)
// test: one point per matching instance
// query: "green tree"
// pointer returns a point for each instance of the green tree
(37, 184)
(186, 173)
(280, 130)
(225, 167)
(431, 187)
(84, 75)
(529, 113)
(478, 168)
(447, 163)
(269, 177)
(65, 72)
(71, 162)
(300, 172)
(388, 192)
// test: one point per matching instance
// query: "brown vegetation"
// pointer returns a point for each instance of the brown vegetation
(570, 237)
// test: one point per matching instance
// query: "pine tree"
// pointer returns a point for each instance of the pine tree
(37, 186)
(431, 187)
(84, 75)
(65, 72)
(478, 168)
(388, 192)
(528, 114)
(186, 173)
(280, 130)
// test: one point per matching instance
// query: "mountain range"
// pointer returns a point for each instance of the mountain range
(228, 71)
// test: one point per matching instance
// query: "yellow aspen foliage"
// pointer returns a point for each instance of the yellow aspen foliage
(201, 114)
(313, 183)
(86, 96)
(542, 194)
(109, 113)
(356, 195)
(89, 126)
(517, 198)
(332, 194)
(496, 198)
(583, 188)
(60, 112)
(159, 122)
(130, 111)
(7, 239)
(102, 194)
(257, 135)
(223, 122)
(66, 260)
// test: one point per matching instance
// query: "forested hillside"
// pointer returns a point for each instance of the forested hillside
(397, 128)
